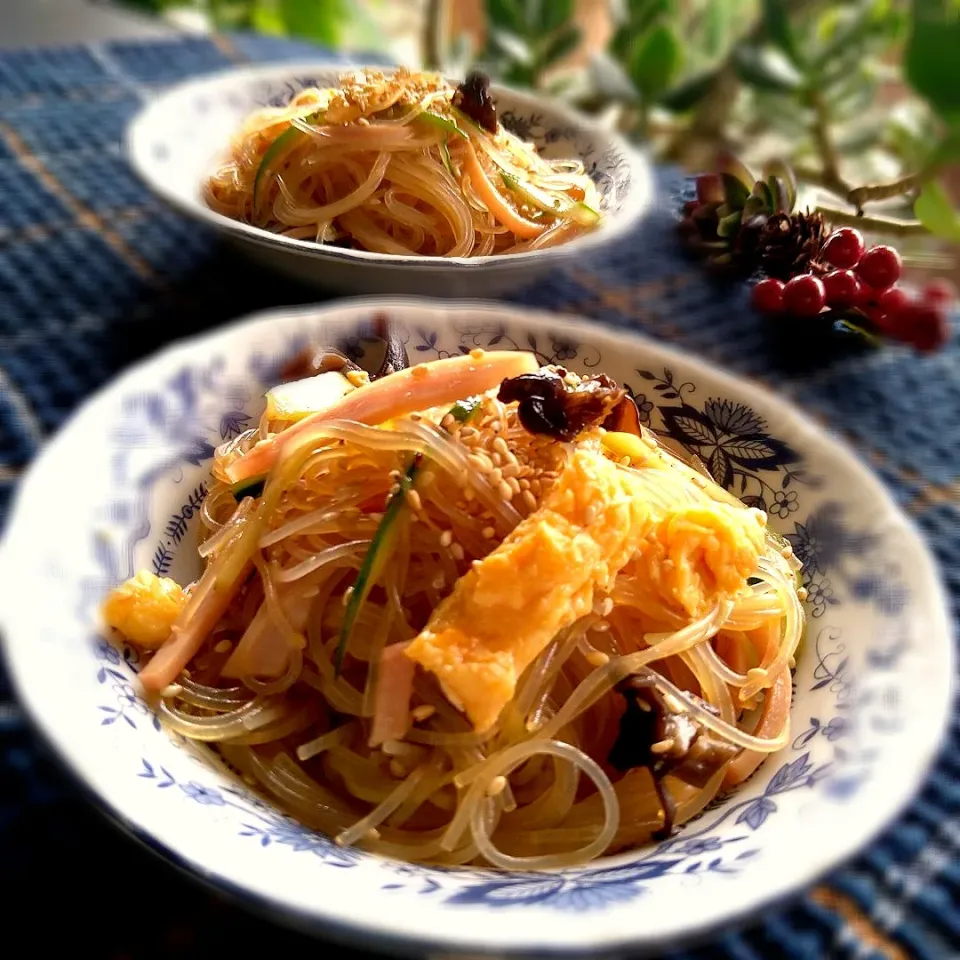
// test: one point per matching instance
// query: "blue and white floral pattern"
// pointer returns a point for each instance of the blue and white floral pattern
(852, 700)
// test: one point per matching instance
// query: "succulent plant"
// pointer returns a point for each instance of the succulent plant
(739, 223)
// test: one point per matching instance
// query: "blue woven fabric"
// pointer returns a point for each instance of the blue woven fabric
(91, 279)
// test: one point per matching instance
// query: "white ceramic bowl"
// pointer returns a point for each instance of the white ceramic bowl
(174, 142)
(120, 486)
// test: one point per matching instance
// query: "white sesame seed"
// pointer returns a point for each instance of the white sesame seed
(488, 533)
(663, 746)
(438, 582)
(171, 690)
(413, 498)
(457, 551)
(514, 485)
(446, 538)
(529, 499)
(347, 594)
(397, 769)
(224, 646)
(505, 490)
(500, 445)
(597, 658)
(643, 705)
(802, 594)
(495, 476)
(423, 712)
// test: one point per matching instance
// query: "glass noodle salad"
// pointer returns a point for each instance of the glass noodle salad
(400, 163)
(472, 612)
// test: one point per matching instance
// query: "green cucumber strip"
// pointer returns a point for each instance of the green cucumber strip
(252, 487)
(271, 154)
(442, 123)
(447, 161)
(373, 562)
(559, 206)
(463, 410)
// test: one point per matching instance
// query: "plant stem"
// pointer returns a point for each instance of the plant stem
(897, 228)
(829, 157)
(883, 191)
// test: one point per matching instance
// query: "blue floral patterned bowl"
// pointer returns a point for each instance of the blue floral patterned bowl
(120, 488)
(175, 141)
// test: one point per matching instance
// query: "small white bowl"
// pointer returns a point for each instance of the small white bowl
(174, 143)
(119, 489)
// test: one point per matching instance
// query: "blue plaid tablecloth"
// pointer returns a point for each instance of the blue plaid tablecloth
(95, 273)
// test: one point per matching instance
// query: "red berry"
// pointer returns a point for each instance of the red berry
(940, 293)
(804, 296)
(924, 326)
(893, 301)
(843, 288)
(844, 248)
(879, 267)
(767, 296)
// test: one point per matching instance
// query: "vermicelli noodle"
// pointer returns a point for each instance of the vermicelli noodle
(477, 629)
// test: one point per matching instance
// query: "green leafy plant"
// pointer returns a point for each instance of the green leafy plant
(527, 38)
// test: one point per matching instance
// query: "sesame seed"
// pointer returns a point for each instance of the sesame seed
(496, 426)
(347, 594)
(424, 712)
(457, 551)
(756, 675)
(496, 459)
(802, 594)
(438, 582)
(505, 490)
(514, 485)
(495, 476)
(624, 461)
(476, 353)
(448, 421)
(606, 607)
(663, 746)
(413, 498)
(497, 785)
(427, 478)
(446, 538)
(467, 432)
(171, 690)
(488, 533)
(397, 769)
(224, 646)
(524, 484)
(643, 705)
(597, 658)
(529, 499)
(500, 445)
(672, 703)
(509, 471)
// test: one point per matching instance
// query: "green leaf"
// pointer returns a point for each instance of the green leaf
(735, 192)
(935, 211)
(656, 61)
(505, 15)
(781, 170)
(512, 46)
(766, 68)
(552, 14)
(559, 45)
(932, 59)
(686, 95)
(610, 80)
(728, 226)
(718, 17)
(729, 163)
(776, 22)
(320, 20)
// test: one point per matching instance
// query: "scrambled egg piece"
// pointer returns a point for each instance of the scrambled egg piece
(595, 520)
(144, 609)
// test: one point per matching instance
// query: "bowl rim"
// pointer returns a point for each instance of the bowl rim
(323, 921)
(137, 133)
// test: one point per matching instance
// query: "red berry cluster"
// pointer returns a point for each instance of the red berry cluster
(865, 281)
